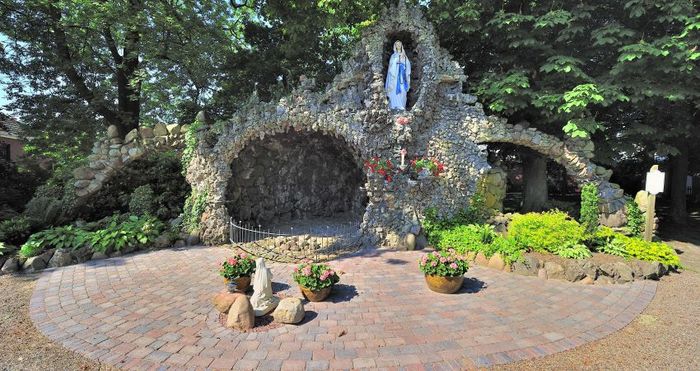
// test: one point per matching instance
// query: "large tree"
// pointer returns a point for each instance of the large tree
(77, 65)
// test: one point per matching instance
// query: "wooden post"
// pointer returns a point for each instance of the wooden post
(651, 211)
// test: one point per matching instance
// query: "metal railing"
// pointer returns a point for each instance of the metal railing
(330, 238)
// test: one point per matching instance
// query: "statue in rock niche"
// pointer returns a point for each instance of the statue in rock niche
(398, 78)
(263, 301)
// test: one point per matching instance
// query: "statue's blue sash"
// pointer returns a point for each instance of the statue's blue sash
(401, 79)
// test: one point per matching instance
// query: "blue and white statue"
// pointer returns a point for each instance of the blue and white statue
(398, 78)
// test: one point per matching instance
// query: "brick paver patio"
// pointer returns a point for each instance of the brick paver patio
(153, 309)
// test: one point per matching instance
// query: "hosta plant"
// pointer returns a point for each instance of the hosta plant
(240, 265)
(443, 263)
(314, 276)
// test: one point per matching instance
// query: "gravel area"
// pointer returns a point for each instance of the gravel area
(23, 347)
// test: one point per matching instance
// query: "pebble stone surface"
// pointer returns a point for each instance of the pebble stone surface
(153, 309)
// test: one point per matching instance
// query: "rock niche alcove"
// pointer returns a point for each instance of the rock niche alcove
(293, 176)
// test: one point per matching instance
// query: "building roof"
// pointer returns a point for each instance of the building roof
(9, 127)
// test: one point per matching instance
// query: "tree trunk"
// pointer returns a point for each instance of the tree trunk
(534, 181)
(679, 175)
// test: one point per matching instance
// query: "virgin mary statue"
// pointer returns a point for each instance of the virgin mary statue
(398, 78)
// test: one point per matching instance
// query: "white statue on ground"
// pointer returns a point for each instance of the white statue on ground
(398, 78)
(263, 301)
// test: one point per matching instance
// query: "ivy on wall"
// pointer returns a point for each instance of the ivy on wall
(190, 145)
(194, 207)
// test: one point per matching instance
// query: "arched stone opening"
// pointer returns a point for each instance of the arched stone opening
(296, 177)
(518, 165)
(413, 54)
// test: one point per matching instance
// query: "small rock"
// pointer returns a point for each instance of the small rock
(223, 300)
(289, 310)
(11, 266)
(162, 241)
(410, 242)
(83, 173)
(112, 132)
(603, 280)
(481, 259)
(82, 254)
(241, 315)
(131, 136)
(193, 239)
(421, 241)
(160, 130)
(33, 264)
(651, 270)
(98, 255)
(587, 280)
(496, 262)
(578, 269)
(146, 132)
(179, 244)
(61, 258)
(555, 271)
(624, 273)
(542, 273)
(529, 266)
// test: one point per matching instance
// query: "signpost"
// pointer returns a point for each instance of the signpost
(654, 185)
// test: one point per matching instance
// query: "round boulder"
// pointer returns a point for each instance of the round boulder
(289, 310)
(241, 315)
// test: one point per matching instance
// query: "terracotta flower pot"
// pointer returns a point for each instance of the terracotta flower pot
(319, 295)
(242, 283)
(444, 285)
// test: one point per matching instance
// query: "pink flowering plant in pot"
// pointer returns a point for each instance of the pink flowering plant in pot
(444, 270)
(239, 265)
(315, 280)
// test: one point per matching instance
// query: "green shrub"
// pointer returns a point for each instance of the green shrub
(574, 251)
(589, 207)
(549, 231)
(465, 238)
(67, 237)
(604, 241)
(475, 213)
(635, 219)
(142, 201)
(649, 251)
(134, 232)
(16, 231)
(45, 211)
(508, 248)
(161, 171)
(5, 250)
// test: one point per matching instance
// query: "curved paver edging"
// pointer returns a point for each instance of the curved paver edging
(154, 308)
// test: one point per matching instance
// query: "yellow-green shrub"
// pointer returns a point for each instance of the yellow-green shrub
(550, 231)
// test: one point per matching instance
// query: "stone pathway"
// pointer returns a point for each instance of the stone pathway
(153, 309)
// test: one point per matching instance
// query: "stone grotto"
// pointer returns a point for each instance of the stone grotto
(302, 156)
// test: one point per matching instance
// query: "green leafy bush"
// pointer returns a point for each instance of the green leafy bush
(550, 231)
(635, 219)
(16, 231)
(142, 201)
(589, 207)
(649, 251)
(475, 213)
(134, 232)
(465, 238)
(604, 241)
(574, 251)
(45, 210)
(161, 171)
(508, 248)
(67, 237)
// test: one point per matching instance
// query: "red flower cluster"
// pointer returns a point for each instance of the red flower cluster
(434, 166)
(382, 167)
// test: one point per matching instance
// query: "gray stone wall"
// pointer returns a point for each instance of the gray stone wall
(295, 176)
